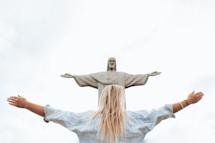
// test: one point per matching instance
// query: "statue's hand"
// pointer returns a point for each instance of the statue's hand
(154, 73)
(66, 75)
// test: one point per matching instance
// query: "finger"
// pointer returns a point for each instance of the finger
(13, 104)
(12, 97)
(12, 101)
(200, 94)
(192, 93)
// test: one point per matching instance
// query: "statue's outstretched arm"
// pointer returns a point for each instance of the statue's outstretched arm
(67, 75)
(154, 73)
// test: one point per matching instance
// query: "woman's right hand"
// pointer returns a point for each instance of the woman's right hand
(17, 101)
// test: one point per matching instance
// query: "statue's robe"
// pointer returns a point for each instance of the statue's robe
(101, 79)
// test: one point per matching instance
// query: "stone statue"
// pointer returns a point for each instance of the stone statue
(101, 79)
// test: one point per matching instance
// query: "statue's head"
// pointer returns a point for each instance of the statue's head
(111, 66)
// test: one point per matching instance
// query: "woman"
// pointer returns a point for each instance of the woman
(111, 123)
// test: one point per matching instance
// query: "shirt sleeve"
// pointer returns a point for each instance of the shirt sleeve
(153, 117)
(163, 113)
(64, 118)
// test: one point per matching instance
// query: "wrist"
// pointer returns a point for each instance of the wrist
(187, 102)
(26, 105)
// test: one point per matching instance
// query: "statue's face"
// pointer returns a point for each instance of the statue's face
(112, 63)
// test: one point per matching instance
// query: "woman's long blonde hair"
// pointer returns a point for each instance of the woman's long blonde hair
(112, 112)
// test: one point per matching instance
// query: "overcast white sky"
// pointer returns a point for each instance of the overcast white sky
(40, 40)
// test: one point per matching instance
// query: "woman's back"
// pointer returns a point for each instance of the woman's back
(137, 125)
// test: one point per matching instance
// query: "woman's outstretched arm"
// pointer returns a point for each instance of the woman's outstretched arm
(192, 98)
(21, 102)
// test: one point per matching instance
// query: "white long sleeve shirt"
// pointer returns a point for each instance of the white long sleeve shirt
(138, 123)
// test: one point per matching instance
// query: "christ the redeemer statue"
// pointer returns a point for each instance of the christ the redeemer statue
(101, 79)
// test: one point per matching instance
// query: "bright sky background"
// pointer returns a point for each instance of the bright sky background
(40, 40)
